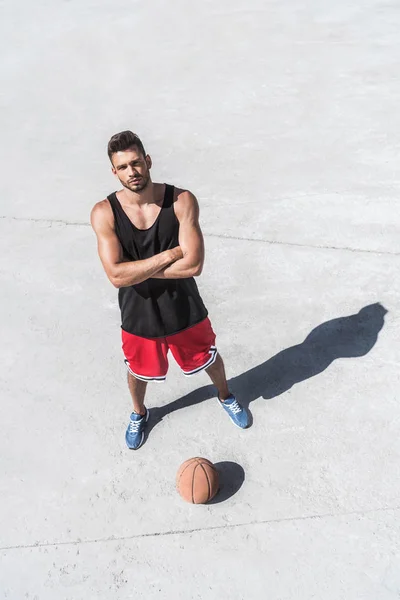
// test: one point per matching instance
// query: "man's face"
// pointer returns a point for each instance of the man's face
(132, 169)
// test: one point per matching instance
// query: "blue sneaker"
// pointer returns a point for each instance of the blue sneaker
(134, 436)
(236, 412)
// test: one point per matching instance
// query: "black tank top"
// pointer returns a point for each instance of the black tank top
(156, 307)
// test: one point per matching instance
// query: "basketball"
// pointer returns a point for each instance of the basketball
(197, 480)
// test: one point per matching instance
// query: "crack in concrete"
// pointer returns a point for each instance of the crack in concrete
(33, 220)
(197, 530)
(297, 244)
(222, 236)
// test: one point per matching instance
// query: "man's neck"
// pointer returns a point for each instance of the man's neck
(147, 196)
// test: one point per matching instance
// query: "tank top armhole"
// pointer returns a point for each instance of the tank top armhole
(169, 201)
(112, 198)
(169, 196)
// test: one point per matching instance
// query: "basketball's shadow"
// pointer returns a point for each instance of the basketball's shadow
(343, 337)
(231, 478)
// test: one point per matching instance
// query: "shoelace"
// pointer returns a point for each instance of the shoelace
(234, 407)
(134, 426)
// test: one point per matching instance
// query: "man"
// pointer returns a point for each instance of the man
(151, 247)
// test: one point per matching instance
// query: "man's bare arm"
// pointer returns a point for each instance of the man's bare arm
(120, 272)
(190, 240)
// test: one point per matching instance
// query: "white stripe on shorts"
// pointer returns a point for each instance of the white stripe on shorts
(143, 377)
(213, 351)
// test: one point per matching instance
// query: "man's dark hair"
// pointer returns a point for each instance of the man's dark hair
(123, 141)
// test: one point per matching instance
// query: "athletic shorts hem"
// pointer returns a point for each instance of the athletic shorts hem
(160, 379)
(213, 351)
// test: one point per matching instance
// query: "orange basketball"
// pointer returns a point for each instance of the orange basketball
(197, 480)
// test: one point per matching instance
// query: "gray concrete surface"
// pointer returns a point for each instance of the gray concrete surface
(283, 118)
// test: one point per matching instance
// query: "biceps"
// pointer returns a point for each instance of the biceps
(110, 252)
(191, 241)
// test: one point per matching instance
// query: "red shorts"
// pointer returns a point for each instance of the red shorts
(193, 349)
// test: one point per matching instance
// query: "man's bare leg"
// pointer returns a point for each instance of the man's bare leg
(235, 411)
(218, 377)
(137, 389)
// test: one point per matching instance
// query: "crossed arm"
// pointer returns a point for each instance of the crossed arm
(190, 241)
(186, 260)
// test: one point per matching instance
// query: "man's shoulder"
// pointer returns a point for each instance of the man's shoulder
(184, 197)
(185, 203)
(101, 212)
(182, 193)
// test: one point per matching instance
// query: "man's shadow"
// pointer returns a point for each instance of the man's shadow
(344, 337)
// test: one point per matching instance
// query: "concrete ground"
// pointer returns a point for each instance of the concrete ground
(282, 117)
